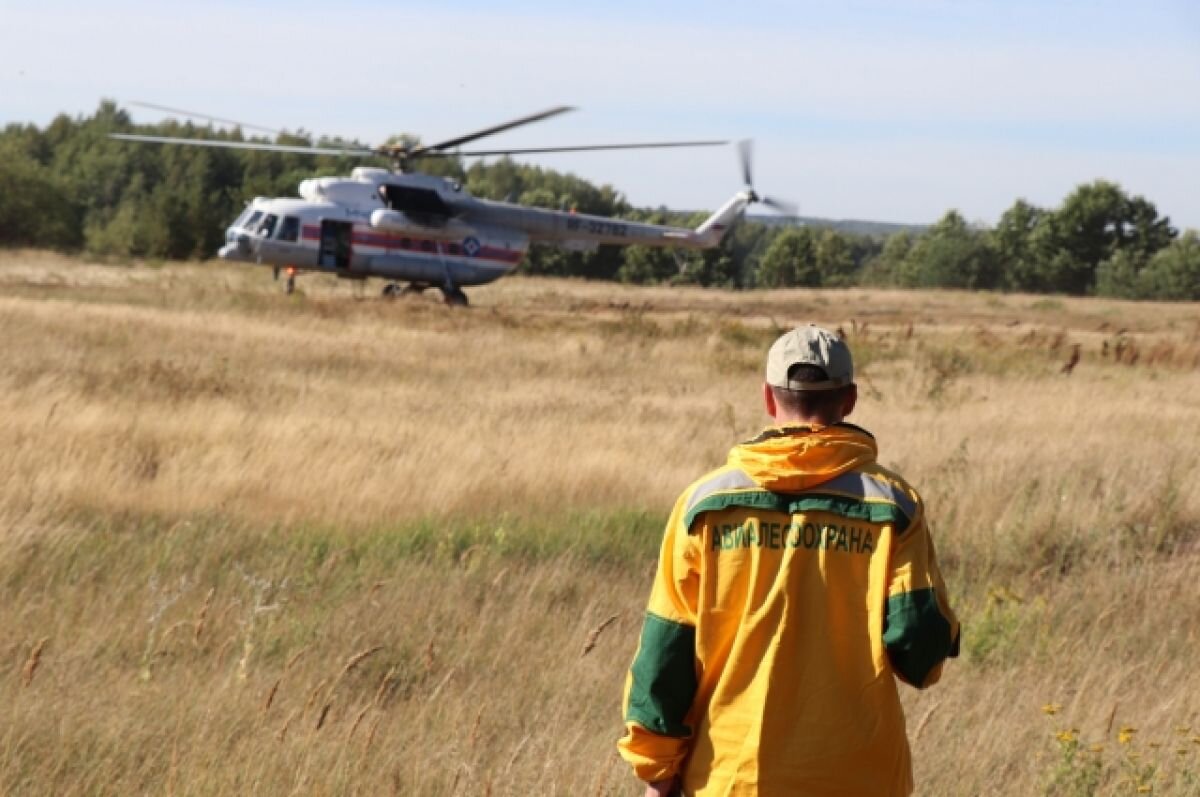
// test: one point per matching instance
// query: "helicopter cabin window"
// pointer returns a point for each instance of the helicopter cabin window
(251, 221)
(267, 228)
(426, 246)
(289, 230)
(405, 243)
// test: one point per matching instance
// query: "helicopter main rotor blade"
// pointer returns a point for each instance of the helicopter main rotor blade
(489, 131)
(206, 117)
(586, 148)
(357, 152)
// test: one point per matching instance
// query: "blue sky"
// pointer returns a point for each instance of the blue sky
(893, 111)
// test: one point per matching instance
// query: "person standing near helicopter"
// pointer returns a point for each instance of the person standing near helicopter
(795, 586)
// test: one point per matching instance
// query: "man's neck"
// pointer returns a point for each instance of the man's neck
(797, 420)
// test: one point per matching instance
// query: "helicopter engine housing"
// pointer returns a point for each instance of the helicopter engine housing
(340, 191)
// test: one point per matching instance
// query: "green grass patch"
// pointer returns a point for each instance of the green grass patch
(107, 549)
(1047, 305)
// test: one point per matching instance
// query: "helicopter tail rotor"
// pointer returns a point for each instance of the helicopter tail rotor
(746, 159)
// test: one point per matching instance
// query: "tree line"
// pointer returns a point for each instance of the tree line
(70, 187)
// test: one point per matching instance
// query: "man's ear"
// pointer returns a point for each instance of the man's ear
(851, 400)
(769, 401)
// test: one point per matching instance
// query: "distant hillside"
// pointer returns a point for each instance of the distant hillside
(853, 226)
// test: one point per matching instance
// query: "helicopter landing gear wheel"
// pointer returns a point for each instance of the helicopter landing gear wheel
(454, 297)
(391, 290)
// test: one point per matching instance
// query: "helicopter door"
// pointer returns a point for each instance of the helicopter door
(336, 244)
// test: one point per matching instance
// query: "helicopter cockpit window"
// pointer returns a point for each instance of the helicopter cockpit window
(252, 221)
(289, 230)
(268, 225)
(241, 219)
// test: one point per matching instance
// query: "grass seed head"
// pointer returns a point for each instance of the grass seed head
(34, 660)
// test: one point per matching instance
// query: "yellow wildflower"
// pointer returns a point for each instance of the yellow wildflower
(1145, 788)
(1125, 735)
(1051, 708)
(1097, 748)
(1067, 736)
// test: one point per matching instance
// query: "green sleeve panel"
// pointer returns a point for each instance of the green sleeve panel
(664, 677)
(917, 635)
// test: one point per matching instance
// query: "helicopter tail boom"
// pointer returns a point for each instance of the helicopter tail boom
(713, 229)
(584, 232)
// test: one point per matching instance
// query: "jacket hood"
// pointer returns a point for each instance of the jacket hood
(793, 457)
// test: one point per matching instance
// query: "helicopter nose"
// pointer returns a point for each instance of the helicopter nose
(237, 249)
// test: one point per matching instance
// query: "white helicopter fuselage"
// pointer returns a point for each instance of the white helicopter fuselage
(427, 231)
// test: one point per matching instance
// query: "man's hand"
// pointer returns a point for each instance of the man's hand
(662, 788)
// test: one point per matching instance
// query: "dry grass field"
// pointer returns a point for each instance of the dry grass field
(327, 544)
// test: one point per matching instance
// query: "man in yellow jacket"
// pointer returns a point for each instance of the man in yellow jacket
(794, 586)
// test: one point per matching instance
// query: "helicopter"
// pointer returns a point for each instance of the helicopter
(420, 231)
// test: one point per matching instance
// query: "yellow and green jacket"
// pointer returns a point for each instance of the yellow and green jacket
(793, 584)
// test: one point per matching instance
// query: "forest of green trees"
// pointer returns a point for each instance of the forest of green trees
(70, 187)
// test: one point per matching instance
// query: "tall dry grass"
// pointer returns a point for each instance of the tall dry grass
(327, 544)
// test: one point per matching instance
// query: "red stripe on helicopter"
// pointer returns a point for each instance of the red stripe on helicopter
(417, 245)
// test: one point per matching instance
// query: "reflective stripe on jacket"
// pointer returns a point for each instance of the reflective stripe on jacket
(793, 584)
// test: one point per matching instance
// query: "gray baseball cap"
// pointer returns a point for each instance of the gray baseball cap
(810, 345)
